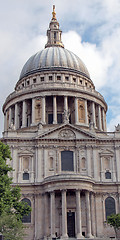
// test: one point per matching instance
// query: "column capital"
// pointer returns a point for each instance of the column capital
(52, 192)
(78, 190)
(63, 190)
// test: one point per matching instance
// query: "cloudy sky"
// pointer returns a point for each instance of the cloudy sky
(91, 29)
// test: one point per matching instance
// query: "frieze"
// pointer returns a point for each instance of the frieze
(66, 134)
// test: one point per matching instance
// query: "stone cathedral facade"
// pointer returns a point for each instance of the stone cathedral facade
(67, 165)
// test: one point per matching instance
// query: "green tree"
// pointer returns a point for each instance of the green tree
(114, 221)
(11, 208)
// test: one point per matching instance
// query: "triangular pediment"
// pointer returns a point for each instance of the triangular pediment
(106, 152)
(25, 152)
(66, 132)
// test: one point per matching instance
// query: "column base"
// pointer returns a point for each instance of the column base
(89, 236)
(53, 236)
(80, 236)
(54, 122)
(23, 126)
(64, 237)
(32, 124)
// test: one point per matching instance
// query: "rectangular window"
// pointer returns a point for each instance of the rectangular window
(80, 81)
(59, 118)
(66, 78)
(74, 79)
(58, 77)
(42, 79)
(34, 80)
(54, 35)
(25, 176)
(50, 78)
(50, 118)
(67, 163)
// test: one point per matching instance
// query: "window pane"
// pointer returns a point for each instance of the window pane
(67, 161)
(59, 117)
(25, 176)
(27, 218)
(50, 118)
(109, 206)
(108, 175)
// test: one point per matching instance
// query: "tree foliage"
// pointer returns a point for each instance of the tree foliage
(11, 227)
(114, 221)
(11, 208)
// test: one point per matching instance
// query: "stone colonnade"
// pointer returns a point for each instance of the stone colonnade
(89, 228)
(13, 114)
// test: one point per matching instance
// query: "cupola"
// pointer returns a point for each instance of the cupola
(54, 33)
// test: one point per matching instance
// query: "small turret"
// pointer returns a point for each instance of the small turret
(54, 33)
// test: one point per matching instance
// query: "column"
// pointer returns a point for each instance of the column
(20, 170)
(5, 121)
(89, 235)
(78, 215)
(52, 214)
(103, 119)
(43, 110)
(33, 111)
(89, 157)
(10, 117)
(102, 169)
(16, 116)
(95, 164)
(54, 110)
(112, 162)
(76, 111)
(93, 114)
(65, 103)
(86, 113)
(32, 170)
(46, 219)
(99, 118)
(24, 117)
(117, 155)
(93, 214)
(64, 215)
(119, 202)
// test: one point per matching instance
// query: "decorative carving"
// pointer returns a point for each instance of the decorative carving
(67, 133)
(38, 110)
(117, 128)
(66, 115)
(81, 111)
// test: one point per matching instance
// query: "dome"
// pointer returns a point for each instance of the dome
(54, 58)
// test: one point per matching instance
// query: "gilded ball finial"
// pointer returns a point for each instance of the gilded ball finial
(53, 13)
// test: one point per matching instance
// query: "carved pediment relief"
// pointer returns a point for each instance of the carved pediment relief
(66, 131)
(66, 134)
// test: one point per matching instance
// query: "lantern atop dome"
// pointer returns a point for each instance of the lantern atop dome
(54, 33)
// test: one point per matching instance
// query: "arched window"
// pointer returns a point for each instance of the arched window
(67, 163)
(109, 206)
(26, 218)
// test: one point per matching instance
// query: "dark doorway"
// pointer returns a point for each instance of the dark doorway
(71, 224)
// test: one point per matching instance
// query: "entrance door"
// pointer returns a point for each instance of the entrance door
(71, 224)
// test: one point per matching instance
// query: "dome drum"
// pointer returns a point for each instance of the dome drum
(57, 76)
(54, 107)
